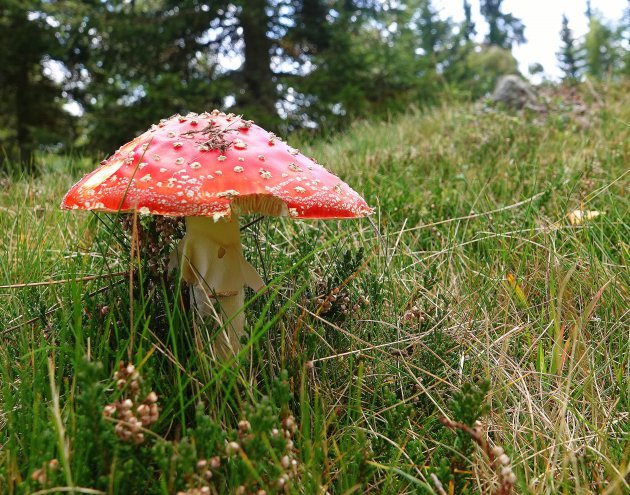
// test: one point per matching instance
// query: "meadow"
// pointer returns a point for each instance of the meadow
(474, 339)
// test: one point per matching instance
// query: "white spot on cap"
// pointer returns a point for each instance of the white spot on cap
(299, 189)
(142, 165)
(222, 158)
(265, 174)
(144, 211)
(239, 145)
(195, 165)
(146, 178)
(156, 157)
(238, 169)
(180, 161)
(294, 167)
(178, 144)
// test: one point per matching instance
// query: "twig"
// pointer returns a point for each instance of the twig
(253, 222)
(63, 281)
(477, 215)
(438, 484)
(69, 489)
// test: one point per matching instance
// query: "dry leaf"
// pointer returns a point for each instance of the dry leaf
(578, 217)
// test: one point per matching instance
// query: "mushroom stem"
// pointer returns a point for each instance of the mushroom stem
(211, 259)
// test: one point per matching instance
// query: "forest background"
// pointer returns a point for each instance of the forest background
(84, 76)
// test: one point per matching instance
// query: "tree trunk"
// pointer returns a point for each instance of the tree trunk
(23, 134)
(260, 92)
(314, 25)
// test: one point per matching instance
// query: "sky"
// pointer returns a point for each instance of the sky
(543, 20)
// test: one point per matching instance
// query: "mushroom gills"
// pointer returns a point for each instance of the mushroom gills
(211, 260)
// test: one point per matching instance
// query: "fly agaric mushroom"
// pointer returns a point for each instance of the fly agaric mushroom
(209, 168)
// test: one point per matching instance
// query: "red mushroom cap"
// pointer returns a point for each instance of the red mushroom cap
(198, 164)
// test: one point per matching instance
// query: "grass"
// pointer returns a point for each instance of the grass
(484, 306)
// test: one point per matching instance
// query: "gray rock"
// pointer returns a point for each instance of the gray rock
(515, 93)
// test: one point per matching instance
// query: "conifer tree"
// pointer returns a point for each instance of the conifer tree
(600, 49)
(133, 63)
(312, 30)
(432, 31)
(589, 10)
(31, 110)
(468, 28)
(258, 97)
(625, 40)
(505, 30)
(568, 54)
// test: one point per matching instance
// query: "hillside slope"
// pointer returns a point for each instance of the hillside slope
(479, 301)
